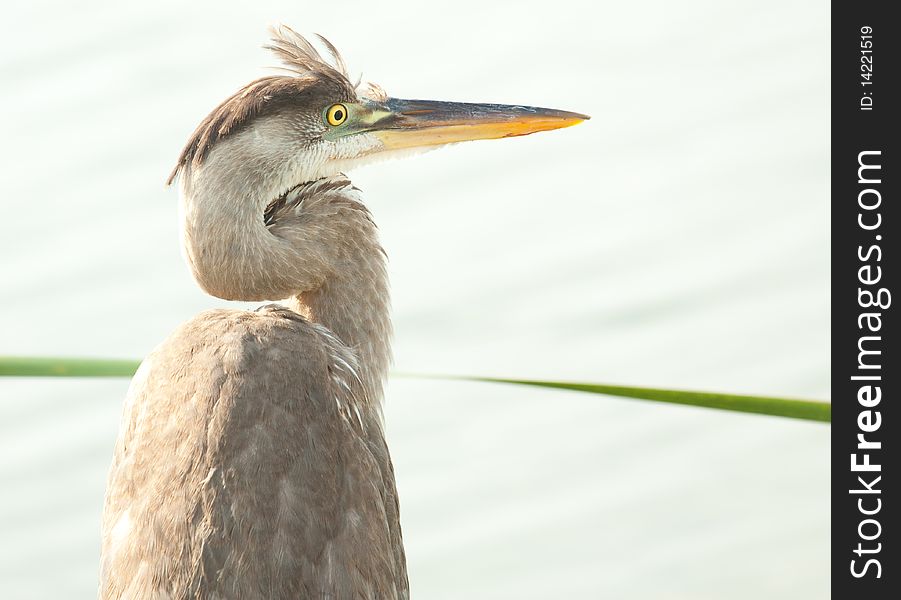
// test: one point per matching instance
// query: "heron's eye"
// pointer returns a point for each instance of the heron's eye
(336, 114)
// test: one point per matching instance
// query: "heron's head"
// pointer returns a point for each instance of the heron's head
(314, 122)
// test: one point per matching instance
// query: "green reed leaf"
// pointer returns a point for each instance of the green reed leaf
(811, 410)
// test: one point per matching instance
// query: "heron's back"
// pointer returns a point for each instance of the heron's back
(247, 466)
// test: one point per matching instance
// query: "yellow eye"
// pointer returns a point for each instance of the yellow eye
(336, 114)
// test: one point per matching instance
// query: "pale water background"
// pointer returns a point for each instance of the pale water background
(678, 239)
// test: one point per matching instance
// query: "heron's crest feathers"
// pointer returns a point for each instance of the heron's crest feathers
(302, 58)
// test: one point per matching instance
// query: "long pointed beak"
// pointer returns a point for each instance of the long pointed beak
(416, 123)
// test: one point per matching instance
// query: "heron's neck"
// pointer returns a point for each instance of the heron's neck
(354, 306)
(352, 299)
(316, 247)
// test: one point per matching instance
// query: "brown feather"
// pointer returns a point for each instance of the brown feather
(257, 480)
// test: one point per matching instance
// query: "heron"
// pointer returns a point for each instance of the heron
(251, 459)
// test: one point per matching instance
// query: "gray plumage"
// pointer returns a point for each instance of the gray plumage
(251, 460)
(264, 478)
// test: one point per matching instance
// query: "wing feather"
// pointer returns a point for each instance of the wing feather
(240, 474)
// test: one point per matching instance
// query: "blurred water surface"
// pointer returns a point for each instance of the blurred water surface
(677, 239)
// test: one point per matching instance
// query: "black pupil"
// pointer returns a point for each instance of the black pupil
(339, 115)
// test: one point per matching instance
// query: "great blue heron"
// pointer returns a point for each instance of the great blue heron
(251, 460)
